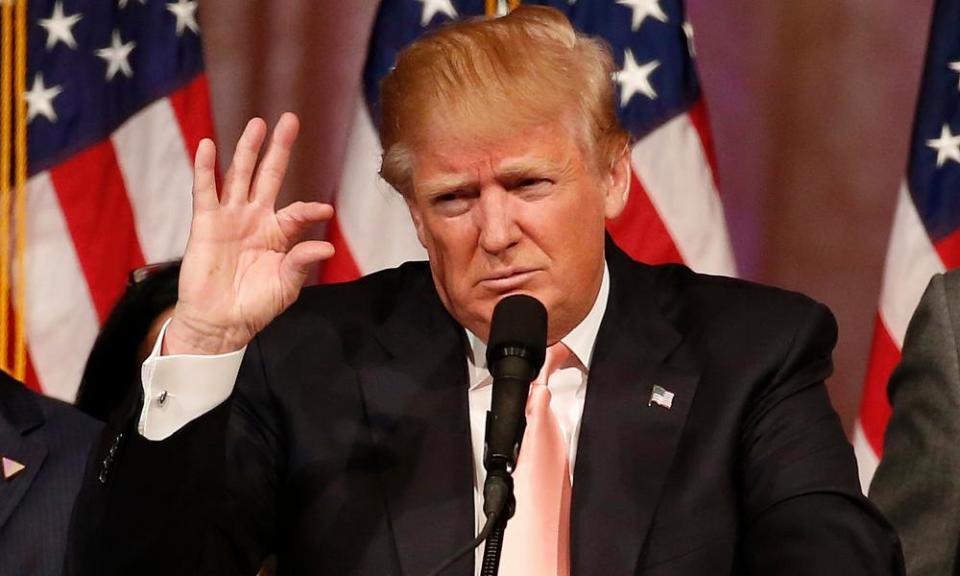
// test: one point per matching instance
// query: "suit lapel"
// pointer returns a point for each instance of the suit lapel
(418, 412)
(21, 439)
(627, 444)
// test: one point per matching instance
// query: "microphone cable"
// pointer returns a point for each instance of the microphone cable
(492, 521)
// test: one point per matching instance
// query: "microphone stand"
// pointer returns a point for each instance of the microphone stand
(515, 353)
(491, 552)
(499, 506)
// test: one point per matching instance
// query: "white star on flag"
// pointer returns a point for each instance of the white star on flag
(955, 66)
(186, 13)
(117, 56)
(432, 7)
(635, 78)
(643, 9)
(123, 3)
(947, 146)
(59, 27)
(40, 99)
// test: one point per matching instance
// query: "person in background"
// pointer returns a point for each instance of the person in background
(917, 484)
(112, 372)
(44, 445)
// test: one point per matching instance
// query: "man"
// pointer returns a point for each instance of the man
(917, 484)
(44, 445)
(692, 409)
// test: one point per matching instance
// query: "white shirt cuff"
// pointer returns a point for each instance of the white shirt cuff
(181, 387)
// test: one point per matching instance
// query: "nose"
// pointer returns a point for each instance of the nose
(497, 221)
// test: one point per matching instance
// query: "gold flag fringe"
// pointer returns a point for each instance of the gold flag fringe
(20, 191)
(493, 6)
(13, 150)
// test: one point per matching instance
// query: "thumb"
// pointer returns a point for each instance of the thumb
(296, 264)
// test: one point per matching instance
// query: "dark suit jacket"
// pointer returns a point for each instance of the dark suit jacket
(345, 446)
(52, 440)
(917, 484)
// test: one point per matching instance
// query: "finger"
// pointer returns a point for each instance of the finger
(204, 176)
(236, 184)
(273, 168)
(298, 217)
(297, 263)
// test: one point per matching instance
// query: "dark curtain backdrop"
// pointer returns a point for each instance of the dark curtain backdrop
(811, 104)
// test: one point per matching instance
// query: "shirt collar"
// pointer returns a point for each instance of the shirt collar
(580, 340)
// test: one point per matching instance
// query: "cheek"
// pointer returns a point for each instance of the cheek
(579, 220)
(450, 246)
(577, 237)
(447, 235)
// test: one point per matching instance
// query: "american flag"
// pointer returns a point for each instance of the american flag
(926, 230)
(117, 102)
(674, 213)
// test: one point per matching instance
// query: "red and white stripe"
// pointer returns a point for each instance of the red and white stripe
(674, 213)
(372, 229)
(113, 206)
(912, 259)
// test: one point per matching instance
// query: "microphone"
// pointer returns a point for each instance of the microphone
(515, 353)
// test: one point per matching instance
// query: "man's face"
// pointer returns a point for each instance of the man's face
(522, 212)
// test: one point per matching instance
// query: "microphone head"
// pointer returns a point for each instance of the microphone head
(518, 328)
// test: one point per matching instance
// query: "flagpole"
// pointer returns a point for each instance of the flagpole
(20, 193)
(6, 154)
(501, 7)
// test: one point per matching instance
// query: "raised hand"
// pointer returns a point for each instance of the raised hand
(245, 262)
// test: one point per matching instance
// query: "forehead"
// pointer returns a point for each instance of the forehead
(467, 147)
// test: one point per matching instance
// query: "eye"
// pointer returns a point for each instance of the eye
(453, 202)
(532, 187)
(448, 197)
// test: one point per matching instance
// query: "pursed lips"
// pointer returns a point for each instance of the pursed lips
(506, 280)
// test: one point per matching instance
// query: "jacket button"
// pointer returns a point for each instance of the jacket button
(107, 461)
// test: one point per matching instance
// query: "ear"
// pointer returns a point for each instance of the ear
(417, 218)
(618, 185)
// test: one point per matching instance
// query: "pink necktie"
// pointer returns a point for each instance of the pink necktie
(537, 539)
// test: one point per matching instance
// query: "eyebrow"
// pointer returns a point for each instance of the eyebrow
(444, 183)
(510, 169)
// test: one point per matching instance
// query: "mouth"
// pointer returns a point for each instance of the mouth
(507, 280)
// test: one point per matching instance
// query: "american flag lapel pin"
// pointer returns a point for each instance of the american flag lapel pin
(661, 397)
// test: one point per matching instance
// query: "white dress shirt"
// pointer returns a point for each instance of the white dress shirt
(180, 388)
(568, 389)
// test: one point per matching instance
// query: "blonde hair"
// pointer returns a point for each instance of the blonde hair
(526, 67)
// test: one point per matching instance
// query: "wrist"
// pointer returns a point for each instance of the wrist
(199, 338)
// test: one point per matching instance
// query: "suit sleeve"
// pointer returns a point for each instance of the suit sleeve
(202, 501)
(804, 513)
(917, 484)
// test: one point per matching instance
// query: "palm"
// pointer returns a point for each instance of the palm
(244, 262)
